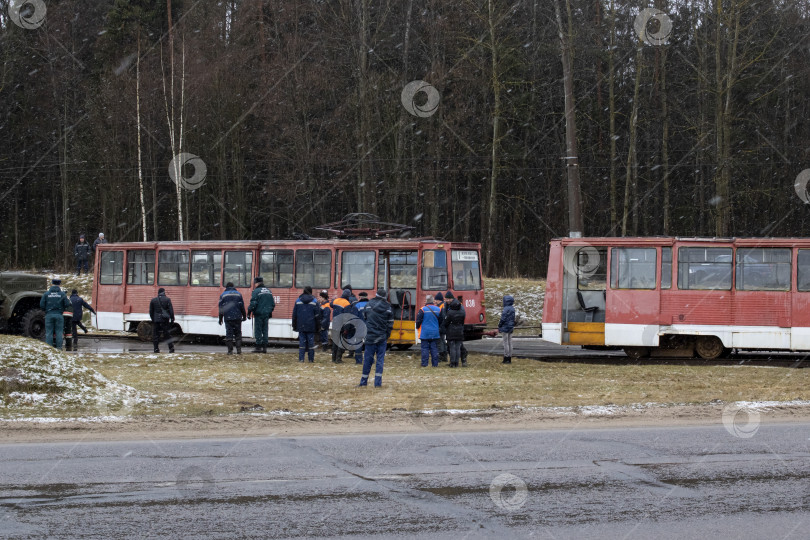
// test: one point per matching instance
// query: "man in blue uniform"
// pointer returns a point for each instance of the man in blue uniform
(428, 321)
(306, 320)
(54, 302)
(379, 322)
(261, 309)
(232, 310)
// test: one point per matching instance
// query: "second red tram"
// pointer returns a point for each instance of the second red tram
(128, 275)
(676, 296)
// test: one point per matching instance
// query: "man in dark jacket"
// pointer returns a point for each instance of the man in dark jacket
(505, 326)
(54, 302)
(306, 320)
(261, 309)
(449, 297)
(161, 312)
(441, 345)
(453, 326)
(326, 318)
(81, 252)
(232, 310)
(379, 323)
(78, 305)
(360, 307)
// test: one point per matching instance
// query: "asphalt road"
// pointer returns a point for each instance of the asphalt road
(689, 482)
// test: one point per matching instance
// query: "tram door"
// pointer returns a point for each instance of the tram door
(634, 295)
(584, 294)
(397, 273)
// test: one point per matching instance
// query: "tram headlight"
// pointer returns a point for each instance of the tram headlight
(480, 317)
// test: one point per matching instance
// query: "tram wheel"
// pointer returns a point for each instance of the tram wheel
(145, 331)
(635, 353)
(709, 347)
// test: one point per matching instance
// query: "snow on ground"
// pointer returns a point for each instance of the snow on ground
(33, 374)
(529, 297)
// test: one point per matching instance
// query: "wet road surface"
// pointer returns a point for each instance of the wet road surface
(690, 482)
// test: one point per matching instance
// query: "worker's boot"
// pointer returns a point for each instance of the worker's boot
(507, 360)
(264, 349)
(75, 344)
(238, 345)
(229, 342)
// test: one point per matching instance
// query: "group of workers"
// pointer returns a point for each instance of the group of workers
(439, 323)
(63, 315)
(82, 251)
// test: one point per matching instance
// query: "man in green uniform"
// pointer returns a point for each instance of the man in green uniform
(53, 303)
(261, 309)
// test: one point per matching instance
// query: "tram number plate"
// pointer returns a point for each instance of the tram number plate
(466, 255)
(469, 303)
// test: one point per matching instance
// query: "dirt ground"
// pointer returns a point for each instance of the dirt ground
(264, 425)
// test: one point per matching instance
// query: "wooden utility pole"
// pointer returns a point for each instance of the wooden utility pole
(576, 225)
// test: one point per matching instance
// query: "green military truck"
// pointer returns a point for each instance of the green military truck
(19, 304)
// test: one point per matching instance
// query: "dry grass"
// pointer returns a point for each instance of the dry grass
(198, 384)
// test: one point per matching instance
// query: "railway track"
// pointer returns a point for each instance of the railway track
(531, 348)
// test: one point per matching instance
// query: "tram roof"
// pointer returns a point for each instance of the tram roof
(670, 240)
(388, 242)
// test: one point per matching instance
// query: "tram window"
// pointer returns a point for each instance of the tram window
(173, 268)
(141, 267)
(238, 268)
(632, 268)
(277, 268)
(112, 268)
(704, 268)
(803, 270)
(401, 270)
(666, 267)
(357, 269)
(434, 269)
(466, 270)
(312, 267)
(591, 268)
(206, 267)
(763, 269)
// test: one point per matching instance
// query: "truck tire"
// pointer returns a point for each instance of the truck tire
(32, 324)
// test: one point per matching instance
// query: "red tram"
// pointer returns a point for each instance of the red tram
(679, 296)
(128, 275)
